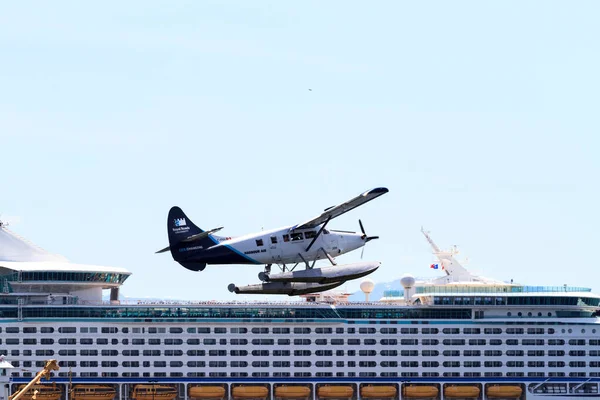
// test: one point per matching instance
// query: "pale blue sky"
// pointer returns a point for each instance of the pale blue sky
(480, 117)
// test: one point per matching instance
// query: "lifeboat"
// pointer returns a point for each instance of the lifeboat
(504, 391)
(42, 392)
(207, 392)
(250, 392)
(463, 392)
(154, 392)
(292, 392)
(378, 392)
(420, 392)
(335, 392)
(93, 392)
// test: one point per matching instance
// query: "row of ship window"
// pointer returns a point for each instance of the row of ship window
(197, 314)
(318, 364)
(301, 353)
(298, 330)
(24, 276)
(518, 301)
(300, 342)
(362, 374)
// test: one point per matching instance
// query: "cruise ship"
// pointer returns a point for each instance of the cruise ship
(459, 336)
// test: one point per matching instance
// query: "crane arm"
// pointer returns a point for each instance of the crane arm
(51, 365)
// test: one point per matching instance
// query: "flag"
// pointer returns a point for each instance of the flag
(434, 266)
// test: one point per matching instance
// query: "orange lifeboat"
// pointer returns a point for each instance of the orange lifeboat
(292, 392)
(154, 392)
(93, 392)
(250, 392)
(42, 392)
(504, 391)
(207, 392)
(378, 392)
(335, 392)
(463, 392)
(420, 392)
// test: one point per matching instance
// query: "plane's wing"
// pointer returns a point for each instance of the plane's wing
(340, 209)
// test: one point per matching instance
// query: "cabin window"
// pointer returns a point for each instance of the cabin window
(274, 239)
(296, 236)
(286, 238)
(310, 234)
(259, 242)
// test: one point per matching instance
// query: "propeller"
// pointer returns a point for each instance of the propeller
(365, 237)
(364, 234)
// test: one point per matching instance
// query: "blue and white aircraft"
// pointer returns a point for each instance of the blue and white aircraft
(304, 243)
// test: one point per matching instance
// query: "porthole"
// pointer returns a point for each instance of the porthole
(563, 331)
(570, 330)
(539, 314)
(583, 331)
(520, 314)
(529, 314)
(549, 314)
(509, 314)
(593, 331)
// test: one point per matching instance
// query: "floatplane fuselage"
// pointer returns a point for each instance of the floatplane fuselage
(286, 247)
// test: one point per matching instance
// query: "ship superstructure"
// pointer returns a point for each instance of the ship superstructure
(458, 336)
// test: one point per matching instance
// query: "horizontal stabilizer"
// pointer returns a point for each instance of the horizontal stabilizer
(193, 238)
(163, 250)
(200, 236)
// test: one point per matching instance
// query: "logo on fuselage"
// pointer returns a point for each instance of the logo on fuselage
(180, 222)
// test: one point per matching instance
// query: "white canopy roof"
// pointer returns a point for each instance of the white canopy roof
(19, 254)
(60, 266)
(15, 248)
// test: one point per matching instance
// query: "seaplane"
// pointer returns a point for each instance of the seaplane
(288, 247)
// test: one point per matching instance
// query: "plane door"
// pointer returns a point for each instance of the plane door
(275, 248)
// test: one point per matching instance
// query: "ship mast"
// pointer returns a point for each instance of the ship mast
(436, 249)
(453, 269)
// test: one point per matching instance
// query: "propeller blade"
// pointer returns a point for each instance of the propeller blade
(362, 252)
(371, 238)
(361, 227)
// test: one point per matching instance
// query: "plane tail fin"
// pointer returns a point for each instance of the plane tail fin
(185, 238)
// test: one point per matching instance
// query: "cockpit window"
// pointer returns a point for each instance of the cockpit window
(325, 231)
(310, 234)
(296, 236)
